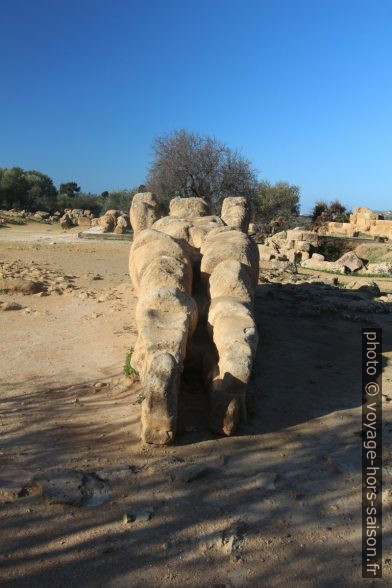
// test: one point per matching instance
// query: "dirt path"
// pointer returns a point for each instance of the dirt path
(277, 505)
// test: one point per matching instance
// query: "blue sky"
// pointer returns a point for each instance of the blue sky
(302, 87)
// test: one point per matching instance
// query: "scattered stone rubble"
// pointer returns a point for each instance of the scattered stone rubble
(15, 277)
(286, 248)
(347, 263)
(76, 217)
(23, 215)
(195, 278)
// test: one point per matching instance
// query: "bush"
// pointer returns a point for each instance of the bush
(85, 201)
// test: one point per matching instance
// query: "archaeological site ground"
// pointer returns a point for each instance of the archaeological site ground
(181, 403)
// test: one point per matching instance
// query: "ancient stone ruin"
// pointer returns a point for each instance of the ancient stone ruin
(363, 220)
(285, 248)
(195, 276)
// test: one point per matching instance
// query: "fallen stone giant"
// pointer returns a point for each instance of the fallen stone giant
(195, 276)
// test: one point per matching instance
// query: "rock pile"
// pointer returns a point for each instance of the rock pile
(15, 277)
(76, 217)
(347, 263)
(288, 247)
(195, 280)
(14, 215)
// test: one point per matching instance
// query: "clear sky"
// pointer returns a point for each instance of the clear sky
(302, 87)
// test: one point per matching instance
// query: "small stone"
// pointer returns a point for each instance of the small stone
(99, 385)
(127, 518)
(138, 516)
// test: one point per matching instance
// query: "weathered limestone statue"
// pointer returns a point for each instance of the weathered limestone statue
(145, 210)
(235, 213)
(192, 271)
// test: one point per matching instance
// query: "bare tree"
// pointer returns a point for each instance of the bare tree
(186, 164)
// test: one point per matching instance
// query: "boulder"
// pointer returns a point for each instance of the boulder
(329, 266)
(266, 252)
(379, 268)
(318, 257)
(351, 261)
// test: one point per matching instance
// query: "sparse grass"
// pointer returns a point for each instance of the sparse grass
(128, 370)
(354, 274)
(388, 276)
(340, 284)
(362, 235)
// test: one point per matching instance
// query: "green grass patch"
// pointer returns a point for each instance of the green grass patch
(128, 370)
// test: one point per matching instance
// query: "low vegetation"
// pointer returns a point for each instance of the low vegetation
(128, 369)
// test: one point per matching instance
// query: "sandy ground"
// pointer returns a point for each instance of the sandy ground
(279, 504)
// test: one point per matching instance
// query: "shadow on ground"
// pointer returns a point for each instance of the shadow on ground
(279, 503)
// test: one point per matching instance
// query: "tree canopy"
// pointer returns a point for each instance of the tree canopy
(332, 212)
(26, 189)
(187, 164)
(69, 188)
(276, 204)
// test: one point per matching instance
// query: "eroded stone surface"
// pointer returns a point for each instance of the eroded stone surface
(145, 210)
